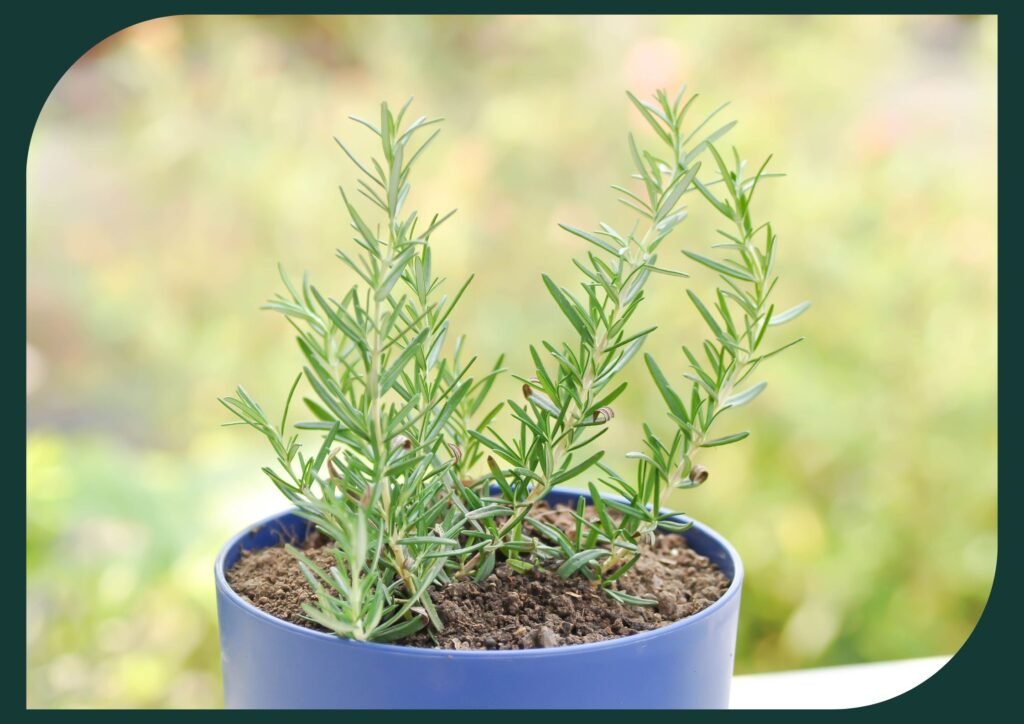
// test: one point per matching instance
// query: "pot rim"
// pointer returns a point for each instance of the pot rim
(223, 587)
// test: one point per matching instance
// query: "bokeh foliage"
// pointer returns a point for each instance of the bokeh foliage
(177, 161)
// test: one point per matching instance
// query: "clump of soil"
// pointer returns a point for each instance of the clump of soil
(271, 580)
(510, 610)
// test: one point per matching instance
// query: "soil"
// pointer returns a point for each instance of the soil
(270, 578)
(510, 610)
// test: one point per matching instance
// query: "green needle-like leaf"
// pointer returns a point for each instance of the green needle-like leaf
(728, 439)
(570, 310)
(789, 314)
(729, 271)
(675, 404)
(744, 397)
(581, 559)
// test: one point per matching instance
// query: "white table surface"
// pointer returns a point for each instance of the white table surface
(833, 687)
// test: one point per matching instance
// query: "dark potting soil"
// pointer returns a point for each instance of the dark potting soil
(510, 610)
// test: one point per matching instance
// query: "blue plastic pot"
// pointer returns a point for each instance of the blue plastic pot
(270, 663)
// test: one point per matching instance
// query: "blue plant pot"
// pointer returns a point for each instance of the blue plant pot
(270, 663)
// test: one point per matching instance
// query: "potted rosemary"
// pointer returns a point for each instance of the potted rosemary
(431, 560)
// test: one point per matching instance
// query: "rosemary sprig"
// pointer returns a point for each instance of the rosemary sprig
(566, 398)
(738, 321)
(392, 407)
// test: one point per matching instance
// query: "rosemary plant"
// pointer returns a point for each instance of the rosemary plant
(397, 481)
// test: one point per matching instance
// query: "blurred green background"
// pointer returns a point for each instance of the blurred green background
(180, 159)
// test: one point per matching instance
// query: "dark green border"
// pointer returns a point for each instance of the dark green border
(981, 682)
